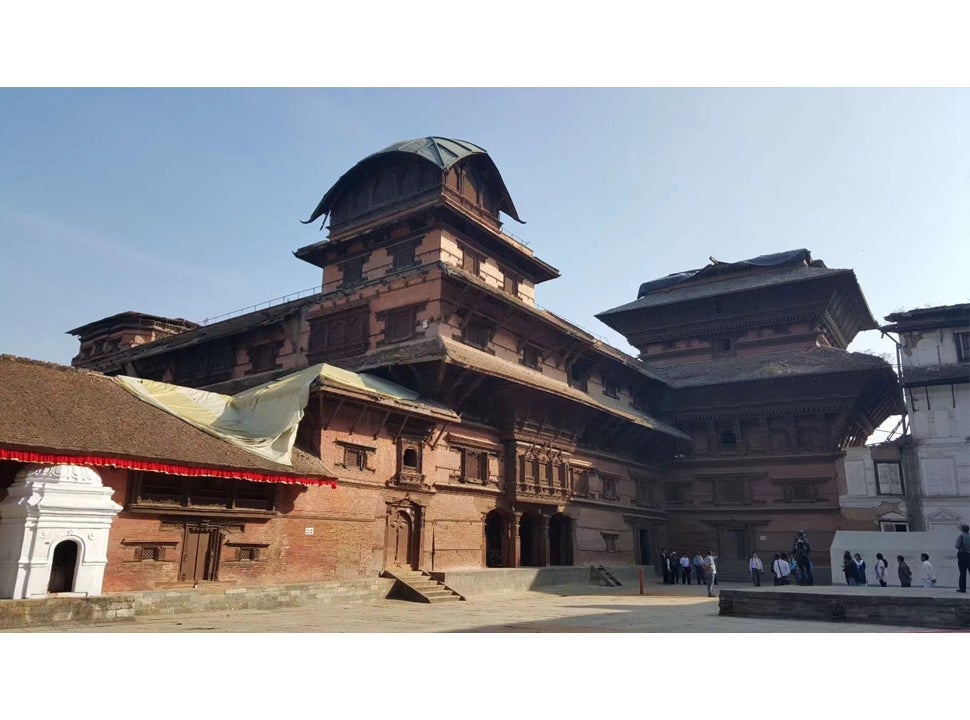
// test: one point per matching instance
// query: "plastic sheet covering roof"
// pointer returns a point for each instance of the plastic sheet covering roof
(443, 152)
(264, 419)
(772, 260)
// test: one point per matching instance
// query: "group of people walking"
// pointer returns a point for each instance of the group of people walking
(685, 569)
(854, 569)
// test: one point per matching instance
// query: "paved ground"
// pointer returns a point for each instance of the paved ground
(561, 609)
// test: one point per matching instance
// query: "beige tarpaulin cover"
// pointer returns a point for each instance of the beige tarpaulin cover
(264, 419)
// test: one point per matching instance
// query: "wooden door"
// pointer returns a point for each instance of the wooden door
(398, 544)
(200, 554)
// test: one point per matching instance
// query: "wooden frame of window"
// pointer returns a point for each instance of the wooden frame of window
(339, 334)
(611, 388)
(246, 551)
(889, 478)
(399, 324)
(510, 283)
(403, 255)
(352, 272)
(159, 492)
(962, 341)
(474, 466)
(578, 377)
(731, 491)
(471, 261)
(355, 457)
(675, 493)
(611, 487)
(644, 489)
(477, 333)
(263, 356)
(796, 491)
(531, 356)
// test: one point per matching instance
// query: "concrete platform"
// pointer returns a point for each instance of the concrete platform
(938, 608)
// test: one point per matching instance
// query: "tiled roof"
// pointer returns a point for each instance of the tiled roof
(458, 353)
(771, 366)
(56, 409)
(936, 374)
(723, 285)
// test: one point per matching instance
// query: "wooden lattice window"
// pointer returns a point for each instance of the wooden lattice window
(338, 335)
(510, 284)
(154, 553)
(262, 358)
(578, 377)
(474, 466)
(355, 458)
(399, 324)
(531, 356)
(353, 272)
(470, 261)
(402, 256)
(477, 333)
(889, 478)
(610, 488)
(610, 387)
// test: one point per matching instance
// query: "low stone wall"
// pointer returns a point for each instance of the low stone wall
(214, 598)
(54, 611)
(16, 614)
(492, 580)
(886, 606)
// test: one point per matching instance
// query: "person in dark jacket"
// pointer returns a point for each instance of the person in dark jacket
(905, 574)
(665, 565)
(860, 570)
(962, 546)
(849, 569)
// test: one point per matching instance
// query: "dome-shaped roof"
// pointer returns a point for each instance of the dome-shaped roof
(442, 152)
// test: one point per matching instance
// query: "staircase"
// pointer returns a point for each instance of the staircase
(419, 586)
(605, 576)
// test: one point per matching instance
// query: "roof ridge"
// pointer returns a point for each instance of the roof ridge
(50, 364)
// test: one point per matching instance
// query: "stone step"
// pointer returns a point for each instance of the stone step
(446, 598)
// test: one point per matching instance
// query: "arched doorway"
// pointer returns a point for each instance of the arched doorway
(495, 539)
(560, 540)
(63, 566)
(528, 541)
(398, 544)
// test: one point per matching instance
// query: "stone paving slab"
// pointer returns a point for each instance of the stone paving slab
(561, 609)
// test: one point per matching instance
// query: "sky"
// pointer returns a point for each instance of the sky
(186, 203)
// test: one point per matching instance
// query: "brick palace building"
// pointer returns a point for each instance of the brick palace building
(476, 430)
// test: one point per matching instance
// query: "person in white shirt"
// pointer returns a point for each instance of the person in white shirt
(929, 577)
(685, 569)
(756, 567)
(710, 572)
(782, 570)
(881, 567)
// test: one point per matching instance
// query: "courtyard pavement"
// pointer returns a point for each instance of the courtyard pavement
(558, 609)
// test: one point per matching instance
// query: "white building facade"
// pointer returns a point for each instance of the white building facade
(934, 350)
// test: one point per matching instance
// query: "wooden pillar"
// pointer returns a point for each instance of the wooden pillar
(515, 520)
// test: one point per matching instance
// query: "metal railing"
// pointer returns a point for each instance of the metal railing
(264, 304)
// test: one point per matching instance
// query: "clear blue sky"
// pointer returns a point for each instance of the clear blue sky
(186, 203)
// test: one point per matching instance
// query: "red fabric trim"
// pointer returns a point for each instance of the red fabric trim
(167, 468)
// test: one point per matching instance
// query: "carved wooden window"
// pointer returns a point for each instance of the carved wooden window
(477, 333)
(355, 457)
(644, 491)
(778, 438)
(262, 358)
(962, 341)
(610, 488)
(723, 346)
(474, 466)
(893, 527)
(531, 356)
(470, 261)
(510, 283)
(729, 440)
(610, 541)
(338, 335)
(610, 387)
(676, 493)
(402, 256)
(399, 324)
(889, 478)
(157, 489)
(718, 306)
(800, 491)
(578, 377)
(579, 481)
(353, 272)
(205, 365)
(153, 553)
(246, 552)
(730, 491)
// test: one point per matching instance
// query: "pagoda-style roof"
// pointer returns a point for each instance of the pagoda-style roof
(440, 152)
(771, 366)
